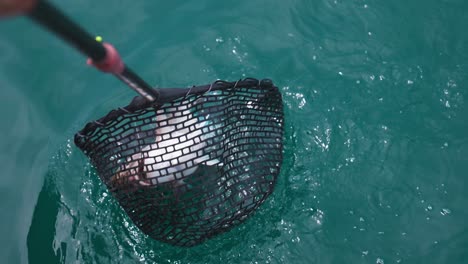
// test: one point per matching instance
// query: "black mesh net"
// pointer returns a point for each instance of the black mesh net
(194, 164)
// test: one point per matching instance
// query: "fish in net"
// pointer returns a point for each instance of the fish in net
(194, 163)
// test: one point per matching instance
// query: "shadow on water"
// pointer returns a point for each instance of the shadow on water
(42, 231)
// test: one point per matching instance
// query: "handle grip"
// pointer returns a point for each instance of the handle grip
(103, 57)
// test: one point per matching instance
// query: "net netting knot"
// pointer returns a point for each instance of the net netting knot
(194, 164)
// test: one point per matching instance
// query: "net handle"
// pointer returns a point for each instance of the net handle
(104, 56)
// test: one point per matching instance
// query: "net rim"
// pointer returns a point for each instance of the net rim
(168, 95)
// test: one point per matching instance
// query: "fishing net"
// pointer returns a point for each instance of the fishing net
(193, 164)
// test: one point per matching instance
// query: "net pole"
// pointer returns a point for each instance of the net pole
(56, 21)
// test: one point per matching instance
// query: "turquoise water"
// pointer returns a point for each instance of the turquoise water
(376, 146)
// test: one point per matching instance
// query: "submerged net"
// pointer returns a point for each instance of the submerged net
(194, 164)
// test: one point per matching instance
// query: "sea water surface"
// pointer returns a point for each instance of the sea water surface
(376, 135)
